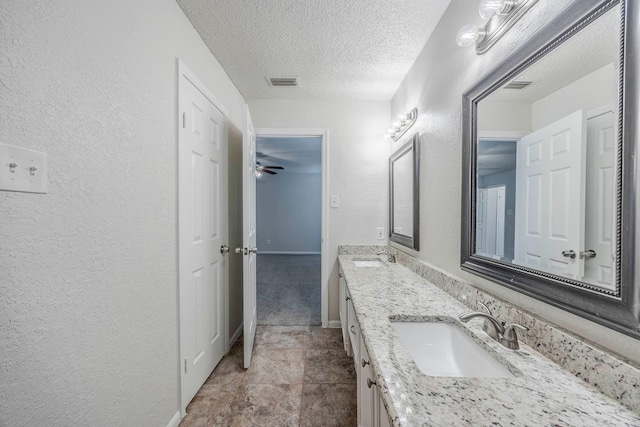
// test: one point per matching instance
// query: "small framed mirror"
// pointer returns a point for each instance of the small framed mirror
(404, 194)
(549, 161)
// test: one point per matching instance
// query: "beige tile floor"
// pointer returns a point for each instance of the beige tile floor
(299, 376)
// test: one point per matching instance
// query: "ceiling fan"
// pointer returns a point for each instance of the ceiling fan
(267, 169)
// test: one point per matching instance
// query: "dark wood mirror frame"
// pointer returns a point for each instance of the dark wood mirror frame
(618, 310)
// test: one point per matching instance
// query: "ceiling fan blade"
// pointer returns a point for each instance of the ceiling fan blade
(273, 167)
(269, 172)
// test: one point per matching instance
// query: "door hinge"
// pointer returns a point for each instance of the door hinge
(185, 365)
(184, 120)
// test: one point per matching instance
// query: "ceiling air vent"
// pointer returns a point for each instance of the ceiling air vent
(517, 85)
(283, 81)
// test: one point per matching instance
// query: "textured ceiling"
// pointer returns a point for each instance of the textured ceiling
(355, 49)
(295, 154)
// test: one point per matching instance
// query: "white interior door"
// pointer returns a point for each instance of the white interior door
(202, 231)
(500, 196)
(249, 250)
(550, 169)
(491, 221)
(600, 205)
(481, 221)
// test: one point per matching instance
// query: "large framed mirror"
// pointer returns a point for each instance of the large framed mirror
(549, 166)
(404, 194)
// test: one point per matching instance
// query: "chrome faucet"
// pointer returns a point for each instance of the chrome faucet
(505, 335)
(390, 257)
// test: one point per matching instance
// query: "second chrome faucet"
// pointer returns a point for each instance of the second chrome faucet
(505, 335)
(390, 257)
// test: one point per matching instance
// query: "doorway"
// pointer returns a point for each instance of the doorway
(291, 289)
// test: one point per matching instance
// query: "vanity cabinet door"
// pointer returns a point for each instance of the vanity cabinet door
(366, 393)
(344, 316)
(354, 332)
(382, 418)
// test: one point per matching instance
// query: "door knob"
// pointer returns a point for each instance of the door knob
(242, 251)
(569, 254)
(224, 249)
(252, 250)
(588, 254)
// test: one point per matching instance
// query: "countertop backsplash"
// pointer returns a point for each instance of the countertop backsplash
(613, 376)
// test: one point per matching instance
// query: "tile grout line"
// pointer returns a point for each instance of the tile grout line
(304, 369)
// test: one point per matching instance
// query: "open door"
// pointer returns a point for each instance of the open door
(249, 249)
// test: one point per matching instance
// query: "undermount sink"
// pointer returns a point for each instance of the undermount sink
(443, 349)
(368, 262)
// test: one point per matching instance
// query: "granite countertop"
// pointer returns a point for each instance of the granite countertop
(541, 393)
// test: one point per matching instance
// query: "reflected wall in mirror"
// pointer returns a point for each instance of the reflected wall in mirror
(548, 182)
(404, 194)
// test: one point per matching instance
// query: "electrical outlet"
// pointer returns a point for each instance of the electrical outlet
(268, 241)
(380, 231)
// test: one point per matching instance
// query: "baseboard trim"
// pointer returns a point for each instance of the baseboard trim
(236, 335)
(334, 324)
(288, 253)
(175, 421)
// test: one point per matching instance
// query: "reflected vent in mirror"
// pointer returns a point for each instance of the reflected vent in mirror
(517, 85)
(283, 81)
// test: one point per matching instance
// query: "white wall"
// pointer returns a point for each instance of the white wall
(504, 116)
(88, 329)
(595, 90)
(358, 166)
(289, 208)
(435, 84)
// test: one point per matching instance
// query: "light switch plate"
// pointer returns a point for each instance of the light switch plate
(335, 201)
(380, 233)
(22, 170)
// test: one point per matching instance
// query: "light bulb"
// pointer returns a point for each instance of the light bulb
(388, 135)
(488, 8)
(468, 35)
(395, 123)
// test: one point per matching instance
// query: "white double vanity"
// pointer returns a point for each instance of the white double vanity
(406, 377)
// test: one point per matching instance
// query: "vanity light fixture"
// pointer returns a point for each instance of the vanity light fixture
(402, 124)
(501, 15)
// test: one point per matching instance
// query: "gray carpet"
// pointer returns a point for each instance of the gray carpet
(288, 290)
